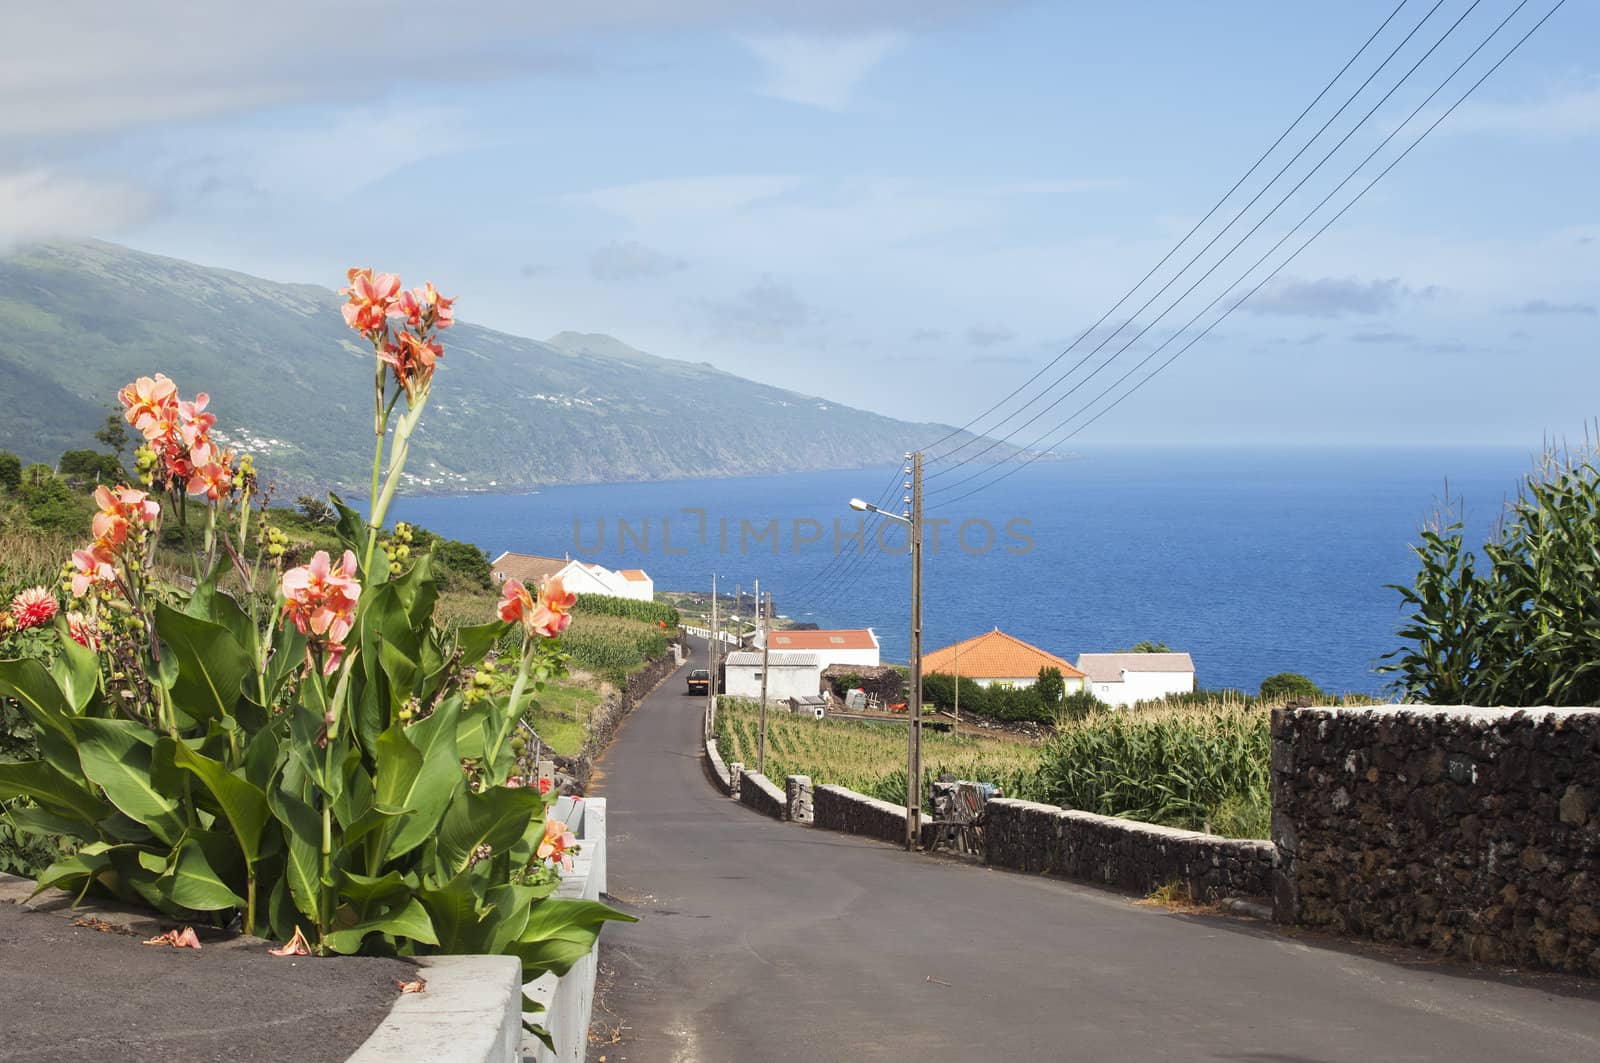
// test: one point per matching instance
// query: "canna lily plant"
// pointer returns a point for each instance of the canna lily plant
(299, 749)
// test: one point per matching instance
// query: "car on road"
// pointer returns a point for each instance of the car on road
(699, 681)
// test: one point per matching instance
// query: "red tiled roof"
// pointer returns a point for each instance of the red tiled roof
(995, 655)
(635, 574)
(528, 568)
(854, 639)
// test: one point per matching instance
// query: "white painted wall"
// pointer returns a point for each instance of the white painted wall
(640, 590)
(1143, 686)
(788, 681)
(1072, 684)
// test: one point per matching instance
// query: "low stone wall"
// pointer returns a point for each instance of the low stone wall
(1124, 853)
(757, 791)
(839, 809)
(1474, 832)
(716, 769)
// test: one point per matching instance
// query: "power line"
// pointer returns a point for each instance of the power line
(1296, 253)
(1212, 242)
(834, 566)
(1174, 249)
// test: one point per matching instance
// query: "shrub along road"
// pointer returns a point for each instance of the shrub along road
(762, 940)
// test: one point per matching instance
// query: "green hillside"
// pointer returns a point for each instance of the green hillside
(290, 383)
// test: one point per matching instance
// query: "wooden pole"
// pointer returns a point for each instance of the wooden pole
(914, 741)
(711, 664)
(761, 746)
(958, 684)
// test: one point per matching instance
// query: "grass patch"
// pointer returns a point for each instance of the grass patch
(561, 716)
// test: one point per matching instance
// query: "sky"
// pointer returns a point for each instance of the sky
(911, 207)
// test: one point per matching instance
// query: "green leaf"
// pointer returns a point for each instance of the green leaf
(417, 770)
(366, 889)
(117, 756)
(476, 641)
(191, 882)
(561, 932)
(498, 818)
(302, 830)
(243, 805)
(52, 790)
(453, 907)
(76, 669)
(36, 819)
(410, 921)
(31, 685)
(212, 666)
(288, 654)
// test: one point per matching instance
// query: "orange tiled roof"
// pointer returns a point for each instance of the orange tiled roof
(635, 574)
(856, 639)
(995, 655)
(530, 569)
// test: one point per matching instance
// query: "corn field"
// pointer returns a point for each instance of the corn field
(868, 758)
(1197, 768)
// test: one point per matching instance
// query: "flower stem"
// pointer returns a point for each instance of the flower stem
(513, 712)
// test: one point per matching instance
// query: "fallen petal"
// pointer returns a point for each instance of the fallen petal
(416, 985)
(177, 939)
(296, 946)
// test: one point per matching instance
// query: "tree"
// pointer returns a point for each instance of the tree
(316, 510)
(1287, 686)
(113, 435)
(1051, 687)
(1520, 630)
(1149, 647)
(90, 467)
(10, 470)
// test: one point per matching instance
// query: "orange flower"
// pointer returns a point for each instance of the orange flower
(552, 616)
(515, 601)
(83, 631)
(146, 400)
(371, 299)
(119, 509)
(555, 844)
(33, 607)
(321, 600)
(213, 479)
(412, 359)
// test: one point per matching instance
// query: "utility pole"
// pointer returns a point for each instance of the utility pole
(958, 684)
(738, 613)
(761, 746)
(711, 663)
(755, 610)
(914, 756)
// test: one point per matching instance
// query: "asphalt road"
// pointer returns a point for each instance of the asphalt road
(766, 941)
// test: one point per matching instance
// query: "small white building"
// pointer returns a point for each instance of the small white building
(789, 675)
(580, 577)
(1125, 678)
(635, 583)
(850, 646)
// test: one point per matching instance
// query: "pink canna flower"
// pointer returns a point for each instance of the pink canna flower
(213, 479)
(321, 599)
(94, 569)
(147, 399)
(371, 299)
(119, 510)
(83, 631)
(515, 601)
(556, 844)
(33, 608)
(547, 616)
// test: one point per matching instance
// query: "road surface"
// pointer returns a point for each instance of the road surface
(766, 941)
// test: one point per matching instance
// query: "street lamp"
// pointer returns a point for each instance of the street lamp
(912, 518)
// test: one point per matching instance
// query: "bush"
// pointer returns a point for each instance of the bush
(90, 467)
(53, 507)
(1289, 686)
(10, 470)
(1080, 705)
(1520, 632)
(1051, 687)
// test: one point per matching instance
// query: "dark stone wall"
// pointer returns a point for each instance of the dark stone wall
(758, 792)
(836, 808)
(1474, 832)
(1123, 853)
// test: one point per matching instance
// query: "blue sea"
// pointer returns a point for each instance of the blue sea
(1255, 561)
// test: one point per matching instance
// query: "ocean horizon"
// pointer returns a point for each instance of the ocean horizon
(1255, 560)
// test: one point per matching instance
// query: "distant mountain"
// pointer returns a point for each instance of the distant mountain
(291, 384)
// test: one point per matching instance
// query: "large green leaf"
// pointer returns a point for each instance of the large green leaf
(31, 685)
(497, 818)
(561, 932)
(417, 770)
(191, 882)
(212, 666)
(476, 641)
(118, 757)
(410, 920)
(243, 804)
(302, 831)
(288, 655)
(51, 790)
(369, 889)
(457, 920)
(76, 669)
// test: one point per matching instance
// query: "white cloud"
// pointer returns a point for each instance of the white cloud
(686, 199)
(767, 312)
(817, 69)
(632, 261)
(39, 202)
(1566, 113)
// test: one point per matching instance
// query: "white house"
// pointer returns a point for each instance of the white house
(997, 659)
(850, 646)
(580, 577)
(789, 675)
(1125, 678)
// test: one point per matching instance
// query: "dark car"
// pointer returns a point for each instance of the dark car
(699, 681)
